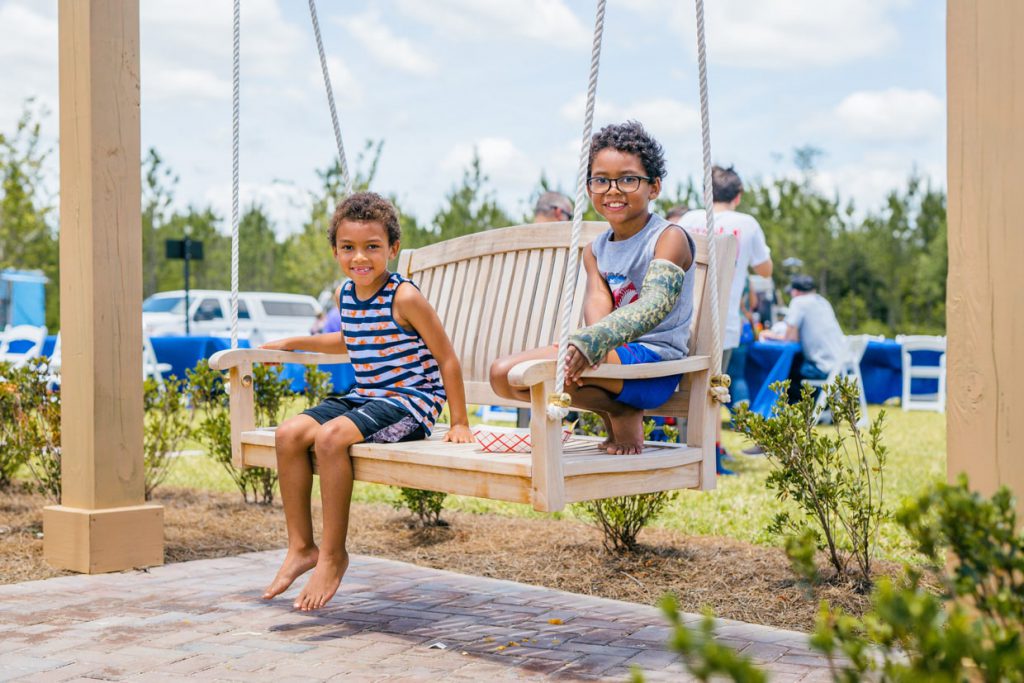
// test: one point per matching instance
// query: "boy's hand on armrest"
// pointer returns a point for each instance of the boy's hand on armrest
(459, 433)
(575, 365)
(276, 345)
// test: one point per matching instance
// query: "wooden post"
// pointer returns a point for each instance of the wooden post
(103, 523)
(984, 301)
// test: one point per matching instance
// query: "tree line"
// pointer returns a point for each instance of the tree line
(884, 268)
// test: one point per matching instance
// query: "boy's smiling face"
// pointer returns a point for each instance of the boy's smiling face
(361, 249)
(624, 210)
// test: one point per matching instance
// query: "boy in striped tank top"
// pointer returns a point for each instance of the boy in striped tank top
(405, 368)
(638, 304)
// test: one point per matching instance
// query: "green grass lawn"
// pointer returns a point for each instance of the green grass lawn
(741, 507)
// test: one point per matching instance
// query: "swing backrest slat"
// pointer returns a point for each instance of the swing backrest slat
(499, 292)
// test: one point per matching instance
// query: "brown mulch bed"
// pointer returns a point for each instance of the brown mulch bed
(736, 580)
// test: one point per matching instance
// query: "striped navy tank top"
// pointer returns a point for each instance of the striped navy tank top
(390, 363)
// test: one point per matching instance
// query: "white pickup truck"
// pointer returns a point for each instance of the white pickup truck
(262, 316)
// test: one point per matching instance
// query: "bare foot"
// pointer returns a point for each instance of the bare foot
(628, 428)
(296, 563)
(324, 583)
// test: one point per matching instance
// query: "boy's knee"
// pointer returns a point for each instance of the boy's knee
(294, 432)
(499, 375)
(335, 436)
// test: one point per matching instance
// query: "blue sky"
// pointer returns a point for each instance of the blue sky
(863, 80)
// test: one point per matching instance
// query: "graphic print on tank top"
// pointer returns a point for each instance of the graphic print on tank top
(623, 291)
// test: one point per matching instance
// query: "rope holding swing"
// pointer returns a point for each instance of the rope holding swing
(235, 73)
(558, 402)
(346, 179)
(719, 380)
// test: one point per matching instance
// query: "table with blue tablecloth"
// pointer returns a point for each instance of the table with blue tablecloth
(182, 353)
(770, 361)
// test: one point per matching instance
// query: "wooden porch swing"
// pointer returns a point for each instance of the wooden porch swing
(494, 294)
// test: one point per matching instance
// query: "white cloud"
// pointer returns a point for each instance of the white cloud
(28, 49)
(545, 21)
(189, 31)
(27, 35)
(346, 88)
(167, 82)
(286, 204)
(574, 109)
(869, 181)
(782, 35)
(507, 166)
(889, 115)
(662, 116)
(387, 48)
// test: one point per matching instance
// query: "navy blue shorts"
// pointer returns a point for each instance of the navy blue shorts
(644, 393)
(378, 420)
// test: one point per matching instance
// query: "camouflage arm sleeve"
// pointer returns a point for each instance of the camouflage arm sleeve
(660, 290)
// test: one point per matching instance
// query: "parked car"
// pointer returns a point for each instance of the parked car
(262, 316)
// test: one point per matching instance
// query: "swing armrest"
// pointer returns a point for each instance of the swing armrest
(231, 358)
(532, 372)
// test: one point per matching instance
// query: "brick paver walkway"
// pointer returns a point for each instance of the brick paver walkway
(391, 621)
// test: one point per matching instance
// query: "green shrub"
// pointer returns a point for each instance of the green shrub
(206, 390)
(30, 427)
(835, 477)
(272, 393)
(590, 424)
(621, 519)
(318, 386)
(970, 629)
(167, 424)
(12, 412)
(973, 629)
(425, 505)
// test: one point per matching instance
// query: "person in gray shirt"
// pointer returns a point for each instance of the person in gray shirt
(811, 321)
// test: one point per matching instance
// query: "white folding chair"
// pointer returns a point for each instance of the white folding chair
(150, 366)
(846, 367)
(916, 369)
(19, 343)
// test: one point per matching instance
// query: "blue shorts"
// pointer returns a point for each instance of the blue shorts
(644, 393)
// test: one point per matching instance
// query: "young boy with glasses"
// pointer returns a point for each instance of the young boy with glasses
(638, 304)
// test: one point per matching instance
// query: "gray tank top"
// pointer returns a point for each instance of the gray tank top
(623, 265)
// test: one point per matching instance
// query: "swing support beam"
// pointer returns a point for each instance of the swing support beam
(103, 522)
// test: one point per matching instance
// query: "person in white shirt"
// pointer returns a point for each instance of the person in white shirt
(811, 321)
(753, 253)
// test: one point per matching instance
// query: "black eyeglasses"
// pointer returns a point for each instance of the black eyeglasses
(627, 183)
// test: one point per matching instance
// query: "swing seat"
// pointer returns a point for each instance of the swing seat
(498, 292)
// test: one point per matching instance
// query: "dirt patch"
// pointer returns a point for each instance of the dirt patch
(736, 580)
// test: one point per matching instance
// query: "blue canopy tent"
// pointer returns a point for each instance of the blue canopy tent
(22, 297)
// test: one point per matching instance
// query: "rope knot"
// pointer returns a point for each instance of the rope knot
(558, 405)
(720, 388)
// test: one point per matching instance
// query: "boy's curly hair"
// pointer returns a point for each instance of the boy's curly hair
(630, 137)
(366, 207)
